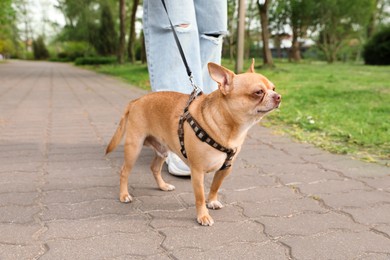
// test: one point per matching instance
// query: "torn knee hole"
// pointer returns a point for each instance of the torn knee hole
(183, 25)
(214, 35)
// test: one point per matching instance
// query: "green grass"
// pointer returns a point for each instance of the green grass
(135, 74)
(342, 108)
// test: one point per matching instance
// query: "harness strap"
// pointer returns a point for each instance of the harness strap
(202, 135)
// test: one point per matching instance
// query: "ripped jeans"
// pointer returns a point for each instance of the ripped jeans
(200, 25)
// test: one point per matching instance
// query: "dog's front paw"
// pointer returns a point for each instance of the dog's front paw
(214, 204)
(205, 220)
(167, 187)
(125, 198)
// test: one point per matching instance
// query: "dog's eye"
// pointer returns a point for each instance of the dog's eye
(259, 92)
(273, 89)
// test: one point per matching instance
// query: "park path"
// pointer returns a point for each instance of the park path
(59, 194)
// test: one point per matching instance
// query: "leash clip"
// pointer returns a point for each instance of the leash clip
(194, 86)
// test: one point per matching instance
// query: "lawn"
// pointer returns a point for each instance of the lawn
(342, 108)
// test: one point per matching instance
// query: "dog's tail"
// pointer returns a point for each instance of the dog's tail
(117, 137)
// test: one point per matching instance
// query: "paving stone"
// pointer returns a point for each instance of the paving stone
(88, 209)
(306, 174)
(19, 182)
(17, 234)
(260, 194)
(97, 163)
(240, 178)
(266, 250)
(105, 246)
(98, 226)
(18, 214)
(337, 245)
(53, 183)
(308, 223)
(385, 228)
(187, 217)
(18, 198)
(357, 198)
(281, 208)
(332, 186)
(18, 251)
(81, 195)
(381, 183)
(157, 203)
(207, 238)
(379, 214)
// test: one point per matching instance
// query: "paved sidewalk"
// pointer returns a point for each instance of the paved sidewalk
(59, 194)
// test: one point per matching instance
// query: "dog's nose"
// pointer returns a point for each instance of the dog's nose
(277, 98)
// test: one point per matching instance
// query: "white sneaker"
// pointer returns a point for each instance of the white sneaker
(176, 166)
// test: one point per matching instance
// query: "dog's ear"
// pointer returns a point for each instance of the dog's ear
(222, 76)
(252, 67)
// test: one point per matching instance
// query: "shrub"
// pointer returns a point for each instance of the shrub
(95, 60)
(39, 49)
(71, 50)
(377, 49)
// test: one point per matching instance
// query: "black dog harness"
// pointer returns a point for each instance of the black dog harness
(202, 134)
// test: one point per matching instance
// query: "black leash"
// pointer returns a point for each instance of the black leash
(183, 57)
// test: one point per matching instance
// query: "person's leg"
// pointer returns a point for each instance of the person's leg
(211, 17)
(166, 69)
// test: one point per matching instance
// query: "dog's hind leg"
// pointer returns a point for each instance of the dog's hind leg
(156, 166)
(132, 149)
(158, 161)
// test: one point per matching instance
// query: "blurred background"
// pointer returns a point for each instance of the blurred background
(326, 30)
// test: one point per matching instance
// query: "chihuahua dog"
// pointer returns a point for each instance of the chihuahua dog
(226, 115)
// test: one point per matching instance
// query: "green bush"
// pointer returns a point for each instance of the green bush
(72, 50)
(39, 49)
(95, 60)
(377, 49)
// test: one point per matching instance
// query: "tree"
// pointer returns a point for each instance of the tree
(263, 6)
(83, 20)
(230, 42)
(7, 14)
(240, 37)
(132, 36)
(122, 33)
(301, 17)
(7, 28)
(338, 21)
(39, 49)
(106, 44)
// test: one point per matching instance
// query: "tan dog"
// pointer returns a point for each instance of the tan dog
(226, 115)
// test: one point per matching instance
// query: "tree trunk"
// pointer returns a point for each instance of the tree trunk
(278, 43)
(132, 36)
(241, 36)
(122, 33)
(372, 20)
(143, 49)
(295, 48)
(267, 55)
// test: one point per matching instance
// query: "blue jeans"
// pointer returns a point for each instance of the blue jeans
(200, 25)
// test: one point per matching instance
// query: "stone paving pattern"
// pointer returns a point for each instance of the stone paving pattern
(59, 193)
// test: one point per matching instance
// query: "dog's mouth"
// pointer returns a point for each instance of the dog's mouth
(265, 111)
(268, 110)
